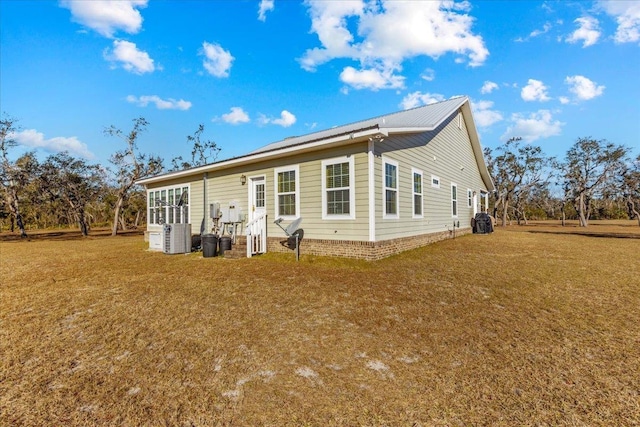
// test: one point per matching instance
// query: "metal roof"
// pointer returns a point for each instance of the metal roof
(419, 119)
(427, 117)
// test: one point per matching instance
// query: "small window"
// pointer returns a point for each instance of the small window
(417, 193)
(338, 191)
(469, 198)
(390, 186)
(454, 200)
(435, 181)
(286, 191)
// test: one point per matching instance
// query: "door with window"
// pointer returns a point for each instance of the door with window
(257, 197)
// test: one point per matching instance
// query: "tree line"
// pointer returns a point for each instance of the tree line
(596, 180)
(65, 191)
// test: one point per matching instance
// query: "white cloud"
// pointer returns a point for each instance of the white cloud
(236, 116)
(107, 16)
(583, 88)
(129, 57)
(537, 125)
(588, 31)
(428, 75)
(265, 6)
(34, 139)
(373, 79)
(545, 29)
(627, 15)
(370, 33)
(483, 114)
(564, 100)
(416, 99)
(217, 61)
(161, 104)
(488, 87)
(535, 90)
(286, 119)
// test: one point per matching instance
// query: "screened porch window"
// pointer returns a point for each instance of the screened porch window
(162, 207)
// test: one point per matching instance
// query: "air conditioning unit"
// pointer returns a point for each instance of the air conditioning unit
(176, 238)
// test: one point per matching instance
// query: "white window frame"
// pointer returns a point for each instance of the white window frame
(454, 201)
(435, 184)
(296, 192)
(386, 215)
(414, 172)
(469, 198)
(164, 208)
(352, 188)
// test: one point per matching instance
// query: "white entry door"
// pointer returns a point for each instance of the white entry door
(257, 197)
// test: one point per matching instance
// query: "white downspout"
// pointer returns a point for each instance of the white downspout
(372, 195)
(204, 200)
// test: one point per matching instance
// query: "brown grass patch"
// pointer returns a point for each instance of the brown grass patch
(513, 328)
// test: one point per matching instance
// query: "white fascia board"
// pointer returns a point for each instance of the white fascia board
(389, 131)
(244, 160)
(476, 146)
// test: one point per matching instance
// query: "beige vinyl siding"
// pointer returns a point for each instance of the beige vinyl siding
(196, 202)
(224, 186)
(445, 152)
(311, 198)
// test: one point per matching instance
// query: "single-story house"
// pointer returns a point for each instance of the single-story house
(366, 190)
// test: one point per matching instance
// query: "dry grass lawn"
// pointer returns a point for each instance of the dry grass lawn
(527, 326)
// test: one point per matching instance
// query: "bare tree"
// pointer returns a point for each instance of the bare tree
(10, 177)
(590, 165)
(202, 152)
(74, 182)
(131, 165)
(631, 188)
(517, 172)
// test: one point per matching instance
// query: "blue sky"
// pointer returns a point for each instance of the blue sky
(255, 72)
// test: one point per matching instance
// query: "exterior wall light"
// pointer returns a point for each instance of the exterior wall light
(243, 179)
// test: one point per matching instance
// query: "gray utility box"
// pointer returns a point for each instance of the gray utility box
(176, 238)
(232, 214)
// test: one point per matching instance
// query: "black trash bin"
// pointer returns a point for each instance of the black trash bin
(225, 244)
(482, 224)
(209, 245)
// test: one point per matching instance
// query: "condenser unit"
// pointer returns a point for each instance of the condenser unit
(176, 238)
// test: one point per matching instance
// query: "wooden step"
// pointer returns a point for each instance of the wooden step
(238, 249)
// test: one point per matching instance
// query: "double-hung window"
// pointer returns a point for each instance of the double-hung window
(390, 188)
(454, 200)
(417, 193)
(287, 185)
(338, 188)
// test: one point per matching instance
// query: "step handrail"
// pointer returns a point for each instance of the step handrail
(256, 232)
